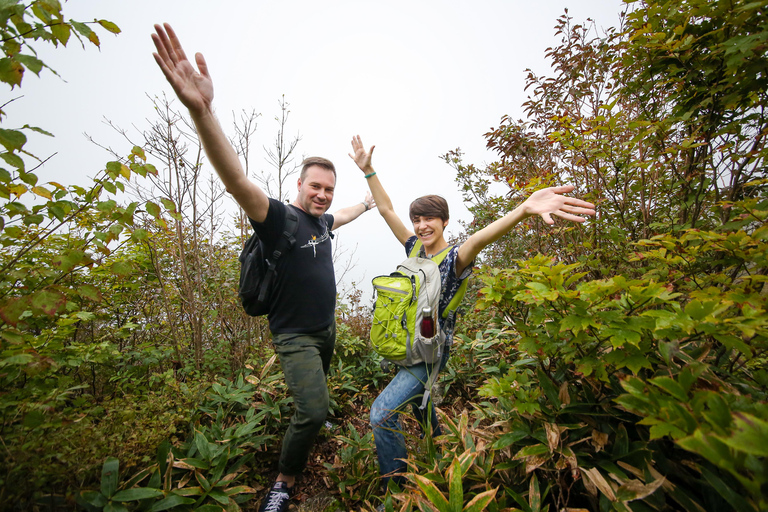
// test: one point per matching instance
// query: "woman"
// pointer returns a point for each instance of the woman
(429, 217)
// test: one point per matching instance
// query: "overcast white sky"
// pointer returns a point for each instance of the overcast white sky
(415, 78)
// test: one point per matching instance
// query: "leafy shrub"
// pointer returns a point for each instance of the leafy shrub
(665, 371)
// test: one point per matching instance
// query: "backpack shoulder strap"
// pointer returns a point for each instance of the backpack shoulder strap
(284, 243)
(416, 249)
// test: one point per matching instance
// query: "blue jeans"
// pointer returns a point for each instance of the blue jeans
(406, 388)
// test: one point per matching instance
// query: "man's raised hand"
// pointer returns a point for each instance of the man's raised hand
(194, 89)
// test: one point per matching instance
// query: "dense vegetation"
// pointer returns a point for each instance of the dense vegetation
(615, 366)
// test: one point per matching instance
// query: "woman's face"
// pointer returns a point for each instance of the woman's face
(428, 229)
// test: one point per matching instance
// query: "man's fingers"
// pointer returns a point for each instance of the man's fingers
(163, 45)
(163, 66)
(177, 52)
(202, 66)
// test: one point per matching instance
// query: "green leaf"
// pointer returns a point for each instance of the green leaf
(455, 489)
(85, 31)
(122, 268)
(508, 439)
(12, 336)
(48, 301)
(136, 494)
(169, 205)
(480, 502)
(28, 178)
(93, 498)
(90, 292)
(432, 493)
(33, 419)
(12, 140)
(209, 508)
(240, 489)
(38, 130)
(13, 160)
(11, 72)
(534, 494)
(637, 362)
(139, 234)
(670, 386)
(68, 260)
(196, 463)
(18, 360)
(204, 483)
(734, 498)
(549, 388)
(734, 343)
(109, 475)
(152, 209)
(33, 64)
(12, 308)
(30, 220)
(61, 32)
(170, 502)
(203, 446)
(709, 447)
(528, 451)
(750, 435)
(106, 206)
(219, 496)
(139, 152)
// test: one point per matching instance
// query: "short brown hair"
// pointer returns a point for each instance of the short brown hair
(429, 206)
(320, 162)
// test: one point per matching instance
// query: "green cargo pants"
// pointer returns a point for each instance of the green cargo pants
(305, 359)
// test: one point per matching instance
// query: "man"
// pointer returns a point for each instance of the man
(301, 316)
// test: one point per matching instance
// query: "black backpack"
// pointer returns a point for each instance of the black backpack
(257, 272)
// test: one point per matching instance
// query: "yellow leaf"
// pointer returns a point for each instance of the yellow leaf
(109, 26)
(42, 192)
(18, 189)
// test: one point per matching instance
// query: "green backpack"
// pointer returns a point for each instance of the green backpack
(398, 312)
(400, 302)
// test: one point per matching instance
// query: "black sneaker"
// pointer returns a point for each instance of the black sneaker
(277, 499)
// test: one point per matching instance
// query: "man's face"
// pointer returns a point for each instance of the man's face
(316, 190)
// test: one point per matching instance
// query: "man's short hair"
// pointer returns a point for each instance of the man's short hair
(429, 206)
(319, 161)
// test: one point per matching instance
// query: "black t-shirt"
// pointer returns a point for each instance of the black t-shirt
(304, 295)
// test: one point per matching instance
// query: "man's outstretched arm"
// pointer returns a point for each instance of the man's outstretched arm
(350, 213)
(194, 89)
